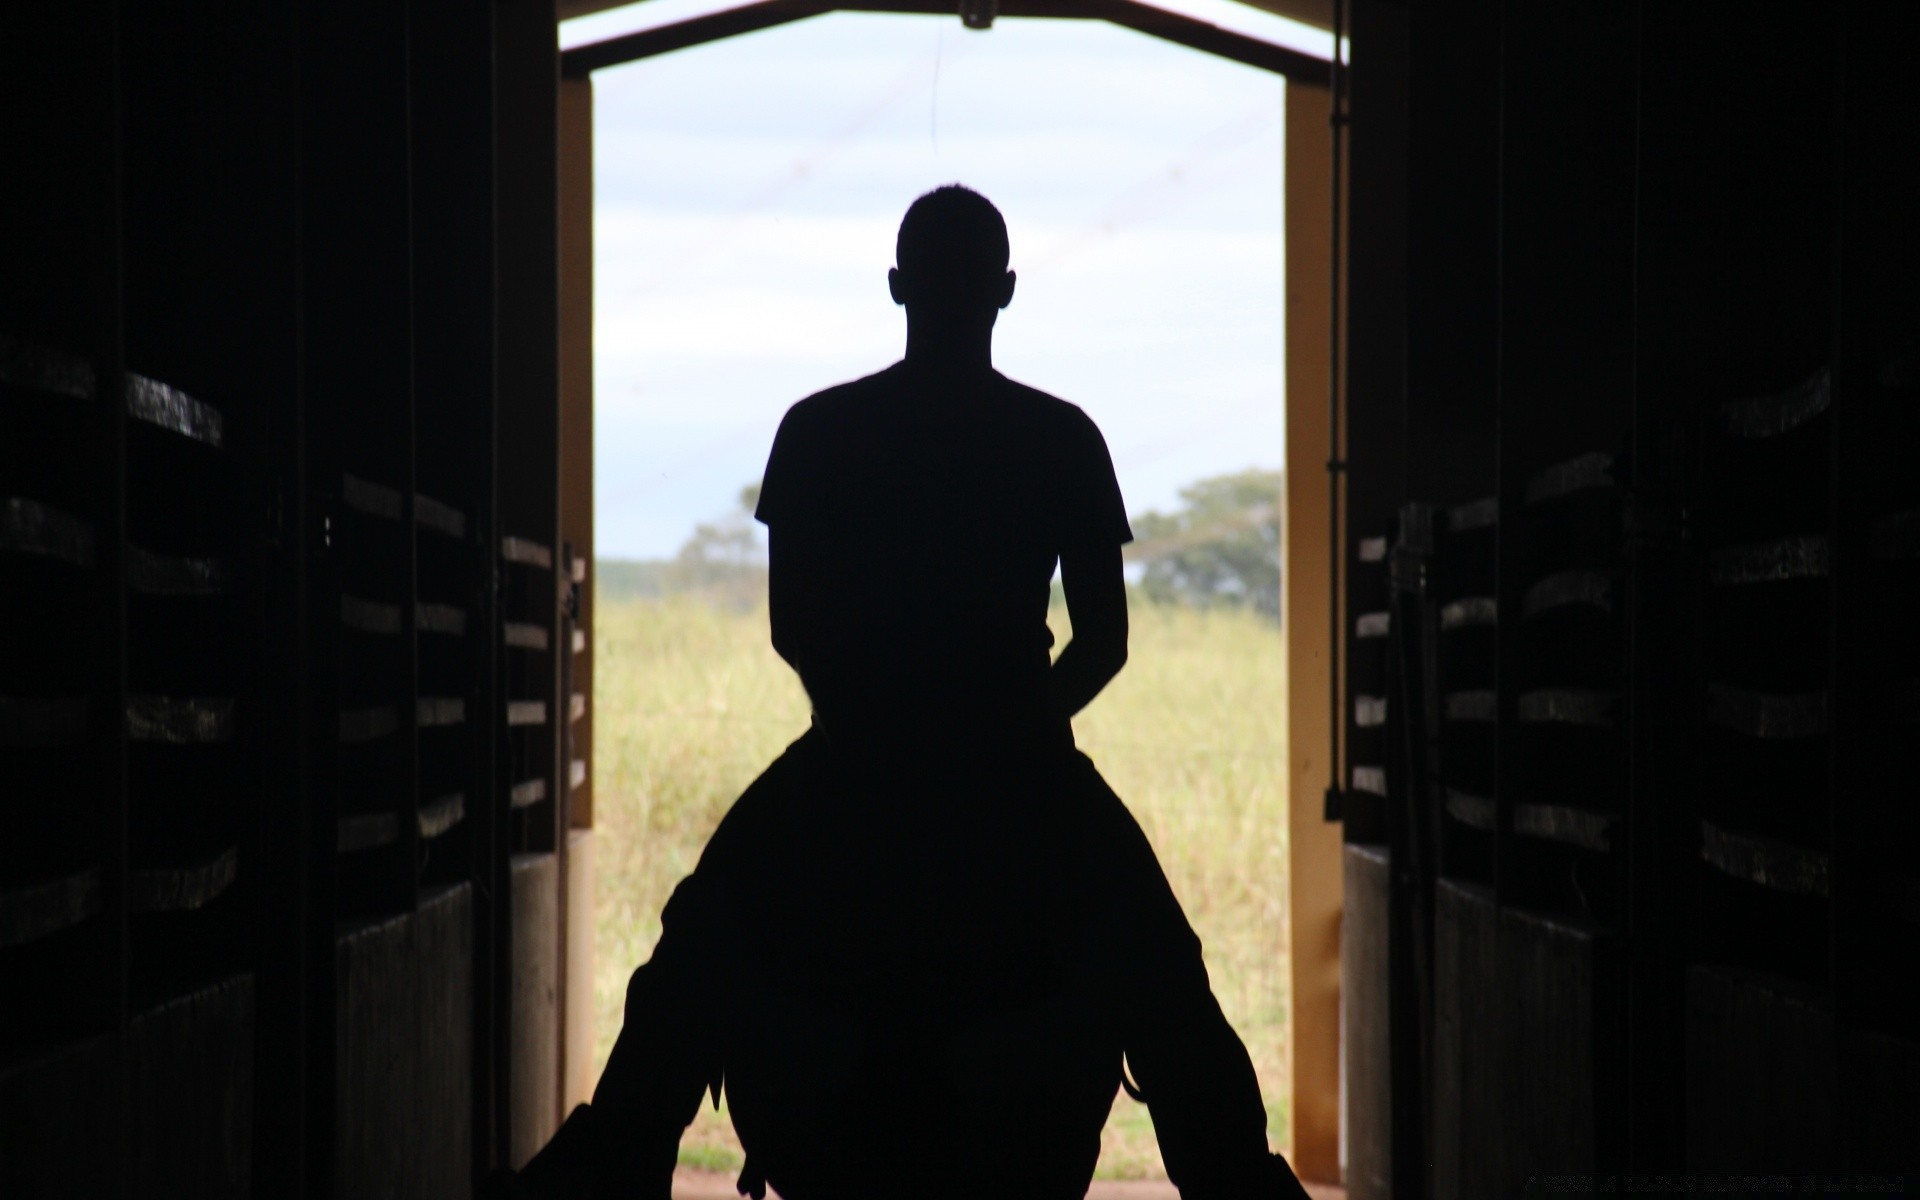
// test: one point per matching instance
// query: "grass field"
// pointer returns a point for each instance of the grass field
(691, 703)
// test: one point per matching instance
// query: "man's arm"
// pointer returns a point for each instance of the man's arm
(789, 597)
(1096, 593)
(797, 589)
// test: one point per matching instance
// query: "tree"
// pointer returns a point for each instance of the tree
(724, 558)
(1222, 547)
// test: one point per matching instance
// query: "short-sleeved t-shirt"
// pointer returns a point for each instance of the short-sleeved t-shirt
(929, 516)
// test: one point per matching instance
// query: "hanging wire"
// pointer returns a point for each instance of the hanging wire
(1336, 465)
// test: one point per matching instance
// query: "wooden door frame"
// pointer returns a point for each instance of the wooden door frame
(1312, 934)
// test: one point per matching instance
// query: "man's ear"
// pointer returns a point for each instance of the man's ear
(1006, 290)
(896, 285)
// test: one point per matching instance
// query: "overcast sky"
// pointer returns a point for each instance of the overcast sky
(747, 196)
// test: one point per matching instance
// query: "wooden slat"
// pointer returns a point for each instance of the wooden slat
(435, 712)
(1369, 712)
(36, 367)
(440, 814)
(1780, 412)
(1587, 472)
(1563, 823)
(365, 831)
(1477, 514)
(31, 911)
(1767, 861)
(176, 575)
(443, 619)
(429, 513)
(180, 720)
(30, 527)
(1469, 612)
(526, 552)
(1583, 587)
(524, 635)
(1802, 556)
(1567, 706)
(167, 407)
(183, 888)
(1479, 812)
(1770, 715)
(370, 499)
(527, 793)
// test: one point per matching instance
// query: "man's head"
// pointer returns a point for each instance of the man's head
(952, 253)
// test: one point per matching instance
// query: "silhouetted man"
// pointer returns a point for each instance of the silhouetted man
(918, 947)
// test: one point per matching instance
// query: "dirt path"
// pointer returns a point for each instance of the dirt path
(707, 1185)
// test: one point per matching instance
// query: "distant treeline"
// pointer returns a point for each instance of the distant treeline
(724, 560)
(647, 578)
(1220, 548)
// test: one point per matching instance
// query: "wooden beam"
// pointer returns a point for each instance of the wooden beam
(576, 422)
(681, 35)
(576, 531)
(1130, 14)
(1314, 844)
(570, 9)
(1317, 13)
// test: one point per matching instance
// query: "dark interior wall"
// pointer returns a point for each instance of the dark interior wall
(60, 533)
(1875, 914)
(1632, 323)
(279, 610)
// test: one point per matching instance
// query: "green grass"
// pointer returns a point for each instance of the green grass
(691, 703)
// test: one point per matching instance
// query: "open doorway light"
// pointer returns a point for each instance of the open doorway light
(746, 197)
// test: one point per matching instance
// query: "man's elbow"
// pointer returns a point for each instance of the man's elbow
(785, 644)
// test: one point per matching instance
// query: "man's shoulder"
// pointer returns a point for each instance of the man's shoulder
(1062, 414)
(1059, 423)
(842, 398)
